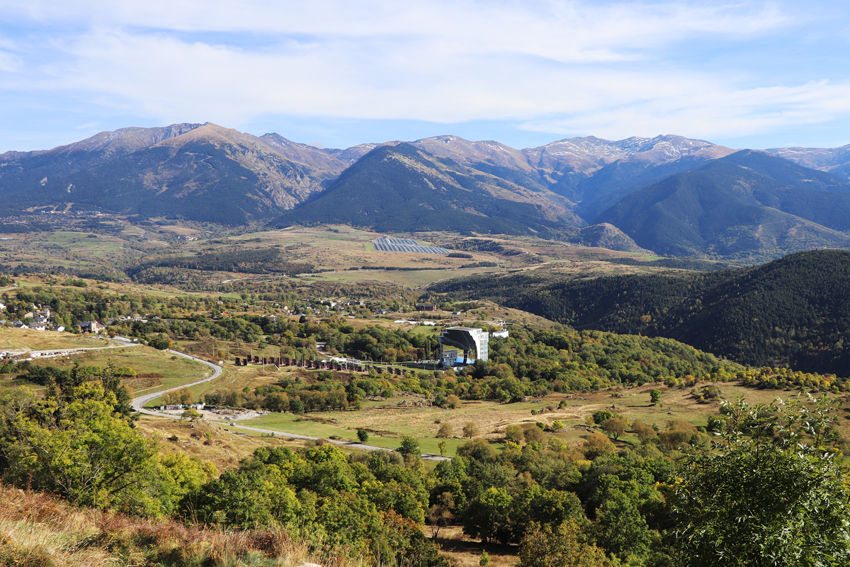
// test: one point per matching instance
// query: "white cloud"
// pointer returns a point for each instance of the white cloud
(710, 113)
(573, 31)
(560, 66)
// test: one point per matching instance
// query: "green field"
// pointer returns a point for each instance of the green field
(176, 370)
(386, 423)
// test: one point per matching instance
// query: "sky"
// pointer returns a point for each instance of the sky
(336, 73)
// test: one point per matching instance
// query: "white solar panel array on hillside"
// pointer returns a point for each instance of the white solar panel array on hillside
(405, 245)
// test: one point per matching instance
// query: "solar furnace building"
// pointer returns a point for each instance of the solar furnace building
(473, 343)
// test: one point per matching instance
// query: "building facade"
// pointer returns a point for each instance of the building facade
(471, 342)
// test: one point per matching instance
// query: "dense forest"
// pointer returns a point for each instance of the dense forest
(791, 311)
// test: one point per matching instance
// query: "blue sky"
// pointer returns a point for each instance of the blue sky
(337, 73)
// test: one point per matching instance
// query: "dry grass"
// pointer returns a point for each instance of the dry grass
(339, 251)
(26, 339)
(387, 422)
(466, 552)
(206, 440)
(37, 530)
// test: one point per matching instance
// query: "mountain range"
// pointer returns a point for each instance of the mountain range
(670, 194)
(747, 205)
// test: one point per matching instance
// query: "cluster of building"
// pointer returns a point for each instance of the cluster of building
(126, 318)
(178, 407)
(41, 319)
(37, 320)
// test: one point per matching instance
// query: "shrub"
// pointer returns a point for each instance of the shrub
(446, 430)
(643, 431)
(513, 433)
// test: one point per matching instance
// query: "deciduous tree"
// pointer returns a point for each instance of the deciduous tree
(773, 492)
(561, 546)
(80, 449)
(446, 431)
(614, 427)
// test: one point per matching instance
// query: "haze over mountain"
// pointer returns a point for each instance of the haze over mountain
(589, 171)
(831, 160)
(206, 172)
(28, 170)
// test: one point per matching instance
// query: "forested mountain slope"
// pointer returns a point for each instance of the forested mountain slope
(748, 206)
(791, 311)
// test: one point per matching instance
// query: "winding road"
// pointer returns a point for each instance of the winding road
(140, 402)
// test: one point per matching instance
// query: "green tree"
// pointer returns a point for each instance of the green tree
(191, 414)
(470, 430)
(253, 496)
(561, 546)
(772, 493)
(655, 396)
(601, 415)
(513, 433)
(409, 446)
(596, 444)
(81, 450)
(110, 378)
(643, 431)
(614, 427)
(362, 435)
(440, 514)
(160, 342)
(621, 528)
(276, 401)
(180, 475)
(533, 434)
(296, 406)
(488, 516)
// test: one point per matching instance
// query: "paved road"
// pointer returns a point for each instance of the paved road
(140, 402)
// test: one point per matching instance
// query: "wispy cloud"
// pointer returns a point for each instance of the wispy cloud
(569, 31)
(562, 67)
